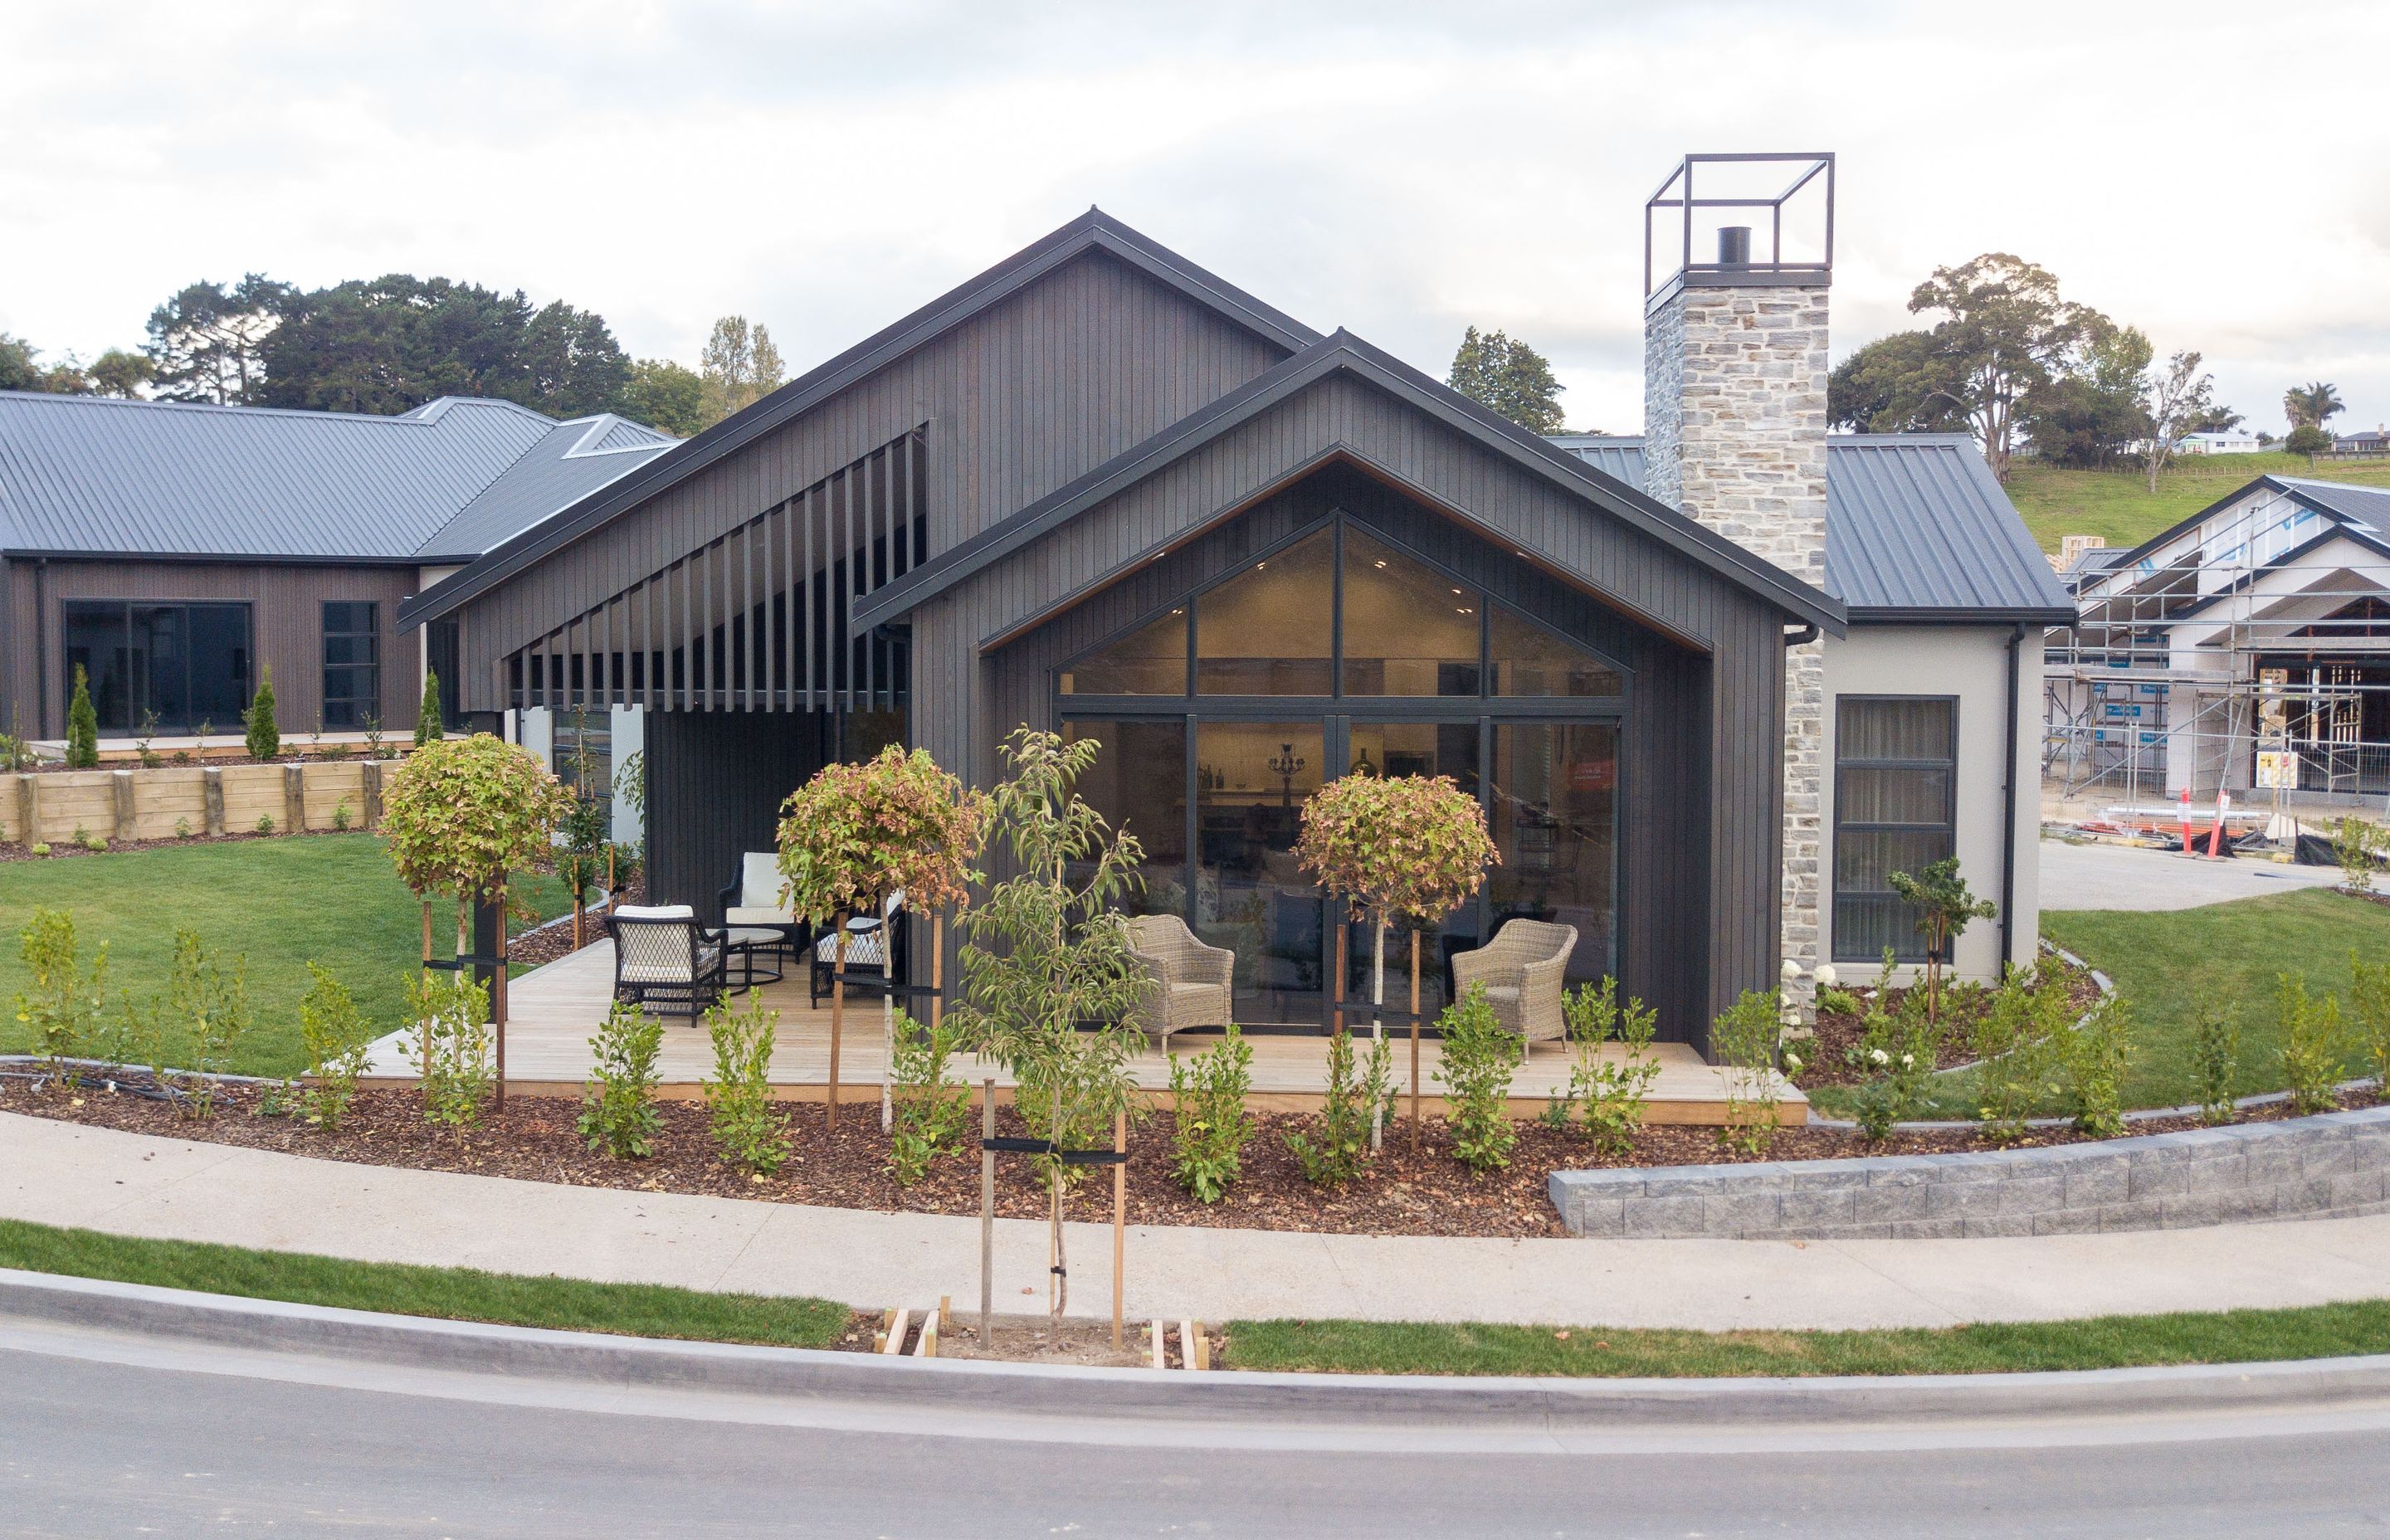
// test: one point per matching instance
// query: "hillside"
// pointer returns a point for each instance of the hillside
(2118, 504)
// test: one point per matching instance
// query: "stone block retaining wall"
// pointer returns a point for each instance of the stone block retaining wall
(2327, 1166)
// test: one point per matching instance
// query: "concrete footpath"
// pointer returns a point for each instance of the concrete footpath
(131, 1183)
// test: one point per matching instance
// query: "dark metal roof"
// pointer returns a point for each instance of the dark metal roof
(2366, 506)
(1917, 528)
(1344, 351)
(1093, 231)
(87, 476)
(572, 461)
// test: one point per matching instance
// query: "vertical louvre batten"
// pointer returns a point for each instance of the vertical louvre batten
(756, 618)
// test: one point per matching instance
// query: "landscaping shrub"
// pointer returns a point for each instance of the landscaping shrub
(338, 1046)
(203, 1019)
(340, 819)
(618, 1105)
(1744, 1040)
(82, 725)
(1894, 1056)
(452, 1044)
(2097, 1054)
(1479, 1054)
(2020, 1039)
(2357, 844)
(1945, 907)
(62, 1009)
(2368, 998)
(1609, 1093)
(2216, 1062)
(932, 1108)
(15, 757)
(2312, 1043)
(749, 1128)
(1351, 1108)
(1211, 1125)
(265, 737)
(427, 711)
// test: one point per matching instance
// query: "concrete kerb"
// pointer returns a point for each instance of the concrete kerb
(1355, 1404)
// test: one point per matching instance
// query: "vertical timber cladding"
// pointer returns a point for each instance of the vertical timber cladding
(715, 781)
(756, 618)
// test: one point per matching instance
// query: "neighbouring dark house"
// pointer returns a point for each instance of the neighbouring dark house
(1099, 489)
(176, 553)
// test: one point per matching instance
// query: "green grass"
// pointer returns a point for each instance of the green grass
(446, 1293)
(2103, 1342)
(331, 898)
(2119, 506)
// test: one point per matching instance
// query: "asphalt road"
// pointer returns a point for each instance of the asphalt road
(90, 1447)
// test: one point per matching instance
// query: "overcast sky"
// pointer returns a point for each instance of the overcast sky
(2215, 174)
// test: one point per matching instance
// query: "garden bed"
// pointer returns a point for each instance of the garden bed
(1823, 1056)
(1429, 1193)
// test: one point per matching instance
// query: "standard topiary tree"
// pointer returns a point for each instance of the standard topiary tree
(855, 834)
(82, 725)
(458, 818)
(264, 738)
(1944, 908)
(427, 714)
(1407, 848)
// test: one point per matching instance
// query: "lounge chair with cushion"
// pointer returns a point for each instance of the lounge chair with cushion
(665, 960)
(758, 923)
(1524, 970)
(1192, 983)
(866, 947)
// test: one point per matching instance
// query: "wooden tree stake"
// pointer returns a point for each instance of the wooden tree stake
(498, 998)
(837, 1009)
(427, 973)
(1415, 1041)
(1119, 1218)
(986, 1211)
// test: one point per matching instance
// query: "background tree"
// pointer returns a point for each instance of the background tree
(21, 370)
(572, 364)
(668, 396)
(120, 374)
(2180, 398)
(1499, 372)
(1897, 384)
(207, 341)
(2311, 406)
(741, 366)
(2005, 331)
(2088, 417)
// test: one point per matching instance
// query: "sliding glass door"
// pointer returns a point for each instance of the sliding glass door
(169, 668)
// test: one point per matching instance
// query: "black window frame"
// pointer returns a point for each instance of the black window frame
(1912, 950)
(131, 724)
(347, 699)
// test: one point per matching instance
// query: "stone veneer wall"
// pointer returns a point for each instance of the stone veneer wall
(1734, 433)
(2333, 1165)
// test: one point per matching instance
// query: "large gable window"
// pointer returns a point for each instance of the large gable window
(1339, 613)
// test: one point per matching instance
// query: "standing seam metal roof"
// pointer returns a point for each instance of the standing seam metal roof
(1916, 526)
(85, 475)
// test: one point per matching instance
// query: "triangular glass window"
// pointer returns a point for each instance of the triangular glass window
(1532, 661)
(1267, 630)
(1149, 660)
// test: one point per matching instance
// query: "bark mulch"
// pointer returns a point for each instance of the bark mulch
(1427, 1193)
(554, 940)
(1837, 1032)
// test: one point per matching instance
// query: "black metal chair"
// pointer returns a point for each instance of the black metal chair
(664, 959)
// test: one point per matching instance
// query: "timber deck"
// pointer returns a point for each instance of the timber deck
(553, 1012)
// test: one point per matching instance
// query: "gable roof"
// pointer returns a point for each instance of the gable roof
(1343, 352)
(2362, 513)
(1918, 530)
(1093, 231)
(91, 476)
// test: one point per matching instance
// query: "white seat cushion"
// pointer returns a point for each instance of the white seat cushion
(656, 911)
(861, 947)
(760, 882)
(669, 971)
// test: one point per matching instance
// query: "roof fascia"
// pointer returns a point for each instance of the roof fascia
(1894, 614)
(1091, 231)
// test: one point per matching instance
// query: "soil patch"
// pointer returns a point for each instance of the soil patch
(1428, 1192)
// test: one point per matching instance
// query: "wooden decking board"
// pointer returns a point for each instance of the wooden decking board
(553, 1013)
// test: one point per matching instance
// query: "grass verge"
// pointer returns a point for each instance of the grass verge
(279, 902)
(446, 1293)
(2104, 1343)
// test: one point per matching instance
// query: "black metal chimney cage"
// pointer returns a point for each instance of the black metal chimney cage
(1721, 181)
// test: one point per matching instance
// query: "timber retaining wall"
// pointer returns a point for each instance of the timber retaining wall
(172, 801)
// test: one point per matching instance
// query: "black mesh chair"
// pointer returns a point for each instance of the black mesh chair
(665, 961)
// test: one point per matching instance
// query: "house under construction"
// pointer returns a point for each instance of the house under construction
(2258, 626)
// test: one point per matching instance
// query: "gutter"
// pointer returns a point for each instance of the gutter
(2009, 798)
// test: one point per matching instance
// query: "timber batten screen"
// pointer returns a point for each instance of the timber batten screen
(757, 618)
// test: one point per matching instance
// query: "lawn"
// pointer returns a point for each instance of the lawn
(330, 898)
(447, 1293)
(2119, 506)
(2102, 1342)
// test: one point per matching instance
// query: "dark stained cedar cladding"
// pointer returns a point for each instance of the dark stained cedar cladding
(721, 600)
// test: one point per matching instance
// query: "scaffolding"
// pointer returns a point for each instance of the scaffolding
(2253, 633)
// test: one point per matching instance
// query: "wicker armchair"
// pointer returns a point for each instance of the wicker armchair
(1192, 983)
(663, 959)
(1522, 969)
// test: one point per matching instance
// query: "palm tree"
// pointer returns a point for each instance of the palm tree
(2308, 405)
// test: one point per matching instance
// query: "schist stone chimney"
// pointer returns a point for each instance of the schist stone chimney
(1734, 421)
